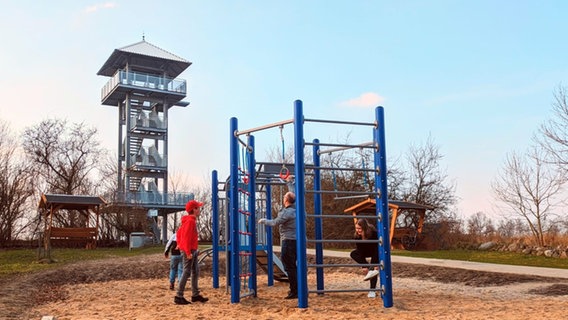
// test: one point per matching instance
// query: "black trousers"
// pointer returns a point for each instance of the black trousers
(360, 257)
(288, 257)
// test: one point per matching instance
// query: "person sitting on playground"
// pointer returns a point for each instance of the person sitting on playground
(176, 262)
(366, 231)
(187, 238)
(286, 220)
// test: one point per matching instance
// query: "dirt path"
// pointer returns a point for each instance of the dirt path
(33, 295)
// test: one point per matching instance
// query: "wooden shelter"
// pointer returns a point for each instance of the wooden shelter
(406, 220)
(85, 227)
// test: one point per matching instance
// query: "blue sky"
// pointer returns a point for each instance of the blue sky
(478, 76)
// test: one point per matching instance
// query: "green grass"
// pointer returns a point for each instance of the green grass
(19, 261)
(498, 257)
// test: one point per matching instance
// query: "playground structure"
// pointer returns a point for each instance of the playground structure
(248, 191)
(143, 85)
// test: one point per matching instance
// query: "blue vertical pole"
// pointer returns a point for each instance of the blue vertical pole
(382, 207)
(252, 210)
(302, 271)
(234, 213)
(269, 252)
(215, 222)
(318, 210)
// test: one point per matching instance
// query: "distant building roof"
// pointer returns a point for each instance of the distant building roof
(120, 57)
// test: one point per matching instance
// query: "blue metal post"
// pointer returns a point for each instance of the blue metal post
(252, 210)
(269, 251)
(234, 212)
(215, 222)
(318, 210)
(382, 207)
(302, 271)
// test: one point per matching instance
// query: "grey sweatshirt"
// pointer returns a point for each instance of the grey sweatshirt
(286, 222)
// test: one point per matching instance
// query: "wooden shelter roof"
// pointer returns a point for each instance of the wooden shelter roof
(368, 206)
(70, 202)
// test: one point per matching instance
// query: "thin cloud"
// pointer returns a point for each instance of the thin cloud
(100, 6)
(365, 100)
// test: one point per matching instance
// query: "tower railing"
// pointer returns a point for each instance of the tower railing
(150, 197)
(143, 80)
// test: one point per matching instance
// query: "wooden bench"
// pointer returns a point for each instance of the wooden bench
(75, 234)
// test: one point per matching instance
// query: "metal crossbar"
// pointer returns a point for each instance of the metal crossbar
(343, 192)
(341, 241)
(320, 216)
(328, 265)
(339, 168)
(344, 290)
(268, 126)
(372, 124)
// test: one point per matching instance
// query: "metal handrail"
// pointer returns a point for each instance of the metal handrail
(143, 80)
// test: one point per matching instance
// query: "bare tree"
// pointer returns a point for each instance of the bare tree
(555, 131)
(15, 186)
(479, 226)
(205, 222)
(177, 183)
(530, 188)
(562, 224)
(63, 156)
(117, 222)
(396, 179)
(426, 183)
(107, 172)
(509, 228)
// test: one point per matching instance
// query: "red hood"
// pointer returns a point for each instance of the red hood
(187, 234)
(187, 217)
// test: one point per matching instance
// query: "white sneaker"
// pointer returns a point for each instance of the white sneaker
(371, 274)
(371, 294)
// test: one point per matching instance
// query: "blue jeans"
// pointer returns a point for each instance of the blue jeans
(288, 256)
(176, 267)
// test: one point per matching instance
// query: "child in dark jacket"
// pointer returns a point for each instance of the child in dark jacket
(366, 231)
(176, 261)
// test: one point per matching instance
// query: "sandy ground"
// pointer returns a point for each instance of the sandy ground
(137, 288)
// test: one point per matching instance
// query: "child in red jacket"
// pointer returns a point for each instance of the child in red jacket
(188, 245)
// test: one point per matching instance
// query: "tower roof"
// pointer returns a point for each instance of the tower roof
(144, 56)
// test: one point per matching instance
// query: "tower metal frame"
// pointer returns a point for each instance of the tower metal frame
(143, 85)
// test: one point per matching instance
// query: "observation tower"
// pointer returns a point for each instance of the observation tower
(143, 85)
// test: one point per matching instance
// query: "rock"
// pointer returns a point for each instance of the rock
(513, 247)
(487, 245)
